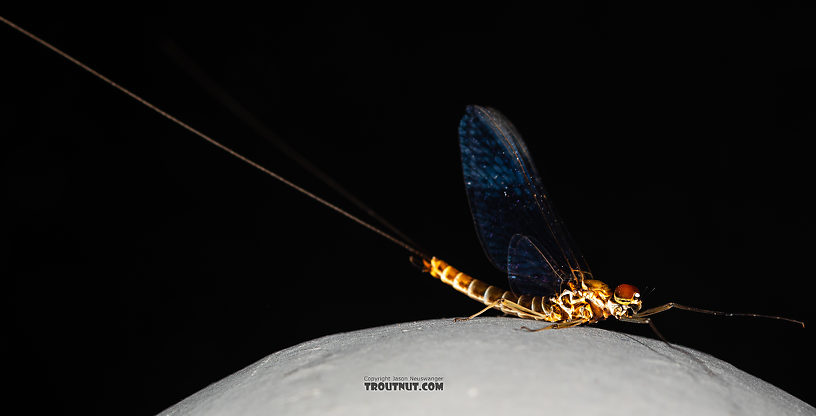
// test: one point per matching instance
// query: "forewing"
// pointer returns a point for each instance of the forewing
(506, 195)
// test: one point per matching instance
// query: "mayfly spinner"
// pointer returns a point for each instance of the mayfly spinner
(522, 234)
(516, 224)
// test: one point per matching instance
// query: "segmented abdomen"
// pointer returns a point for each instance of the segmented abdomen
(488, 294)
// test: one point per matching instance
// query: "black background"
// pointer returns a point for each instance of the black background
(145, 263)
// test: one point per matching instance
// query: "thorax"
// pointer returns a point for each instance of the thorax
(592, 301)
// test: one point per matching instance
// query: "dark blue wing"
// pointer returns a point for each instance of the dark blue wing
(507, 198)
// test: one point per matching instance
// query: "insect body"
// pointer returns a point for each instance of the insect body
(575, 305)
(521, 234)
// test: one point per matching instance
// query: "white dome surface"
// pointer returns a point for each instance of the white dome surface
(488, 366)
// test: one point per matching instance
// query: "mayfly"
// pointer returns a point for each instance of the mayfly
(521, 234)
(517, 226)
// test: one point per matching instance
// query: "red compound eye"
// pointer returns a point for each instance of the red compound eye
(626, 293)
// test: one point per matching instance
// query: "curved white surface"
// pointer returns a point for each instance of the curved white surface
(490, 367)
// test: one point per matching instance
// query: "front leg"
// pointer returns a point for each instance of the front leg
(670, 305)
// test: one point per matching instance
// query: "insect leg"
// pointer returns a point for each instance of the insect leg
(488, 307)
(507, 306)
(671, 305)
(639, 319)
(658, 309)
(558, 325)
(521, 311)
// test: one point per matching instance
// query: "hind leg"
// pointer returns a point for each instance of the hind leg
(558, 325)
